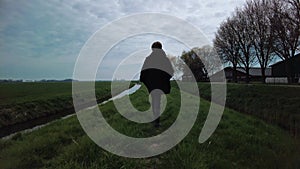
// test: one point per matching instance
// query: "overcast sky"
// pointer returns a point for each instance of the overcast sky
(42, 39)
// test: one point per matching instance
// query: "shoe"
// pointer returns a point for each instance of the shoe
(156, 123)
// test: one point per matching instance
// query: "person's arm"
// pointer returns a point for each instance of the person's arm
(170, 68)
(142, 75)
(143, 72)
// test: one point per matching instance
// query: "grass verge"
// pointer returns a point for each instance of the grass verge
(278, 105)
(240, 141)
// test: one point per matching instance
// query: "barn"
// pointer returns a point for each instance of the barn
(291, 65)
(254, 74)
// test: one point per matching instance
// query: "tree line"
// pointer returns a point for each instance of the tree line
(259, 32)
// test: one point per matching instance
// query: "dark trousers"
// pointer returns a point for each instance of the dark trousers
(156, 97)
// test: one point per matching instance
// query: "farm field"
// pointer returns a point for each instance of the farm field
(240, 141)
(24, 105)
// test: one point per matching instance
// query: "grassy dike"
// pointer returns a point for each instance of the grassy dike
(276, 104)
(240, 141)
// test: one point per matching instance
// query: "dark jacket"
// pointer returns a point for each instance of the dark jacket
(157, 72)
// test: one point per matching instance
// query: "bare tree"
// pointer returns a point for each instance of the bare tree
(258, 31)
(286, 26)
(209, 58)
(226, 46)
(234, 41)
(258, 16)
(244, 36)
(178, 66)
(295, 10)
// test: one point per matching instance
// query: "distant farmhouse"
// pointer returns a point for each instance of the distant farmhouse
(254, 74)
(276, 71)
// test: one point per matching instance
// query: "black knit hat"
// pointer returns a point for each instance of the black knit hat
(157, 45)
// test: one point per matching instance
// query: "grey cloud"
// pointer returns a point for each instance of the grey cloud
(219, 14)
(56, 30)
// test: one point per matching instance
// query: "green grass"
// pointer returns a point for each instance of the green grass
(278, 105)
(13, 93)
(20, 102)
(240, 141)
